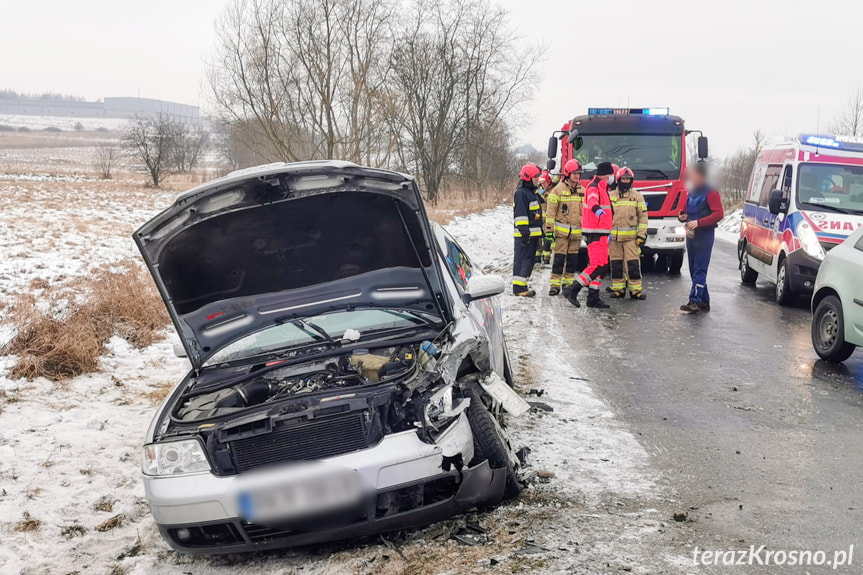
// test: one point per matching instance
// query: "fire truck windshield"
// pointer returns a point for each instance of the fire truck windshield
(651, 157)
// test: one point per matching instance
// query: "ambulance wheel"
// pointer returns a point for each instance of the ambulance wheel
(828, 331)
(748, 276)
(488, 444)
(675, 262)
(784, 296)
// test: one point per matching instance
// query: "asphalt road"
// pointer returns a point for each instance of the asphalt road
(761, 442)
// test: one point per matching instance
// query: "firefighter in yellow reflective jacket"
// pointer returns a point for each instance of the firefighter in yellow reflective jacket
(563, 226)
(543, 249)
(628, 234)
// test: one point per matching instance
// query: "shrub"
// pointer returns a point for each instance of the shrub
(121, 302)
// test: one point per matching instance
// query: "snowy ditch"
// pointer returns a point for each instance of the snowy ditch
(71, 500)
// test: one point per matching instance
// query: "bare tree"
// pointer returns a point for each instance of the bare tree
(458, 75)
(190, 142)
(737, 168)
(105, 159)
(151, 141)
(849, 122)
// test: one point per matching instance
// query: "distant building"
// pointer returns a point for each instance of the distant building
(109, 108)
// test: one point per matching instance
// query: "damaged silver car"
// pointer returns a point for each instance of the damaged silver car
(349, 370)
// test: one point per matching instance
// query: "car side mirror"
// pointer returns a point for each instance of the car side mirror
(552, 147)
(179, 350)
(550, 165)
(481, 287)
(702, 147)
(776, 202)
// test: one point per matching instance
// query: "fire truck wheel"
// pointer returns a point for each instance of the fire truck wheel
(675, 262)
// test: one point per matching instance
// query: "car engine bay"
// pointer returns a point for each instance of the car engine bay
(355, 369)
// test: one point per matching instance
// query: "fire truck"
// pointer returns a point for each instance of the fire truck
(652, 143)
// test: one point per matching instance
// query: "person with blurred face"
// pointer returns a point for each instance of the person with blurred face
(703, 212)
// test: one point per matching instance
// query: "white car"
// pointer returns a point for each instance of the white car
(837, 303)
(349, 369)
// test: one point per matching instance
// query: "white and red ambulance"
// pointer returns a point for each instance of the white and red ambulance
(804, 198)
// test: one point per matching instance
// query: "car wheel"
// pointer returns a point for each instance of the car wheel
(675, 262)
(487, 441)
(784, 296)
(828, 331)
(748, 276)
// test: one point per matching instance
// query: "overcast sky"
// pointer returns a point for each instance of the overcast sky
(728, 67)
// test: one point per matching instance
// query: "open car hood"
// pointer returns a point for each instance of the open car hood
(269, 244)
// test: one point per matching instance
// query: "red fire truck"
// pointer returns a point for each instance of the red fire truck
(652, 143)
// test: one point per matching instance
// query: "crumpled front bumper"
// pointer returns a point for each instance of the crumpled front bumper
(206, 507)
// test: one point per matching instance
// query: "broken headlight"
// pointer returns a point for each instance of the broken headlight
(439, 405)
(174, 458)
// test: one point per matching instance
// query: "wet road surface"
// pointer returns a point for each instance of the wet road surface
(761, 441)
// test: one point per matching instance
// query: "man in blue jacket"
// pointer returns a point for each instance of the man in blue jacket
(527, 223)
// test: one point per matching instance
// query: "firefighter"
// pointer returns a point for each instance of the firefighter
(596, 226)
(527, 221)
(627, 236)
(543, 252)
(563, 227)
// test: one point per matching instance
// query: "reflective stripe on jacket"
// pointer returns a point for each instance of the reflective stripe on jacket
(630, 215)
(526, 212)
(595, 198)
(563, 210)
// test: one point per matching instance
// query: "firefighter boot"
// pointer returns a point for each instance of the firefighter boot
(554, 291)
(593, 300)
(637, 295)
(573, 294)
(617, 294)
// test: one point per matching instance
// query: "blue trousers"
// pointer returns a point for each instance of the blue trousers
(698, 250)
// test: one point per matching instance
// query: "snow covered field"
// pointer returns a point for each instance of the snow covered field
(70, 496)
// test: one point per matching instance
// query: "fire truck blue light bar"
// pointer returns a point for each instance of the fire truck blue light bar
(628, 111)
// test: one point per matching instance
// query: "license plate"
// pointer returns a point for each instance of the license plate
(301, 494)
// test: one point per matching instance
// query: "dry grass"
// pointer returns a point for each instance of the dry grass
(27, 524)
(122, 302)
(453, 204)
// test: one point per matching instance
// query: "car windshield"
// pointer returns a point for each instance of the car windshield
(651, 157)
(830, 188)
(323, 328)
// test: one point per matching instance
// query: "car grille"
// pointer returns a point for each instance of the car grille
(654, 201)
(316, 439)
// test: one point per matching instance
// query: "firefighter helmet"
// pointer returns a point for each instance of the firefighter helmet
(570, 167)
(624, 172)
(529, 172)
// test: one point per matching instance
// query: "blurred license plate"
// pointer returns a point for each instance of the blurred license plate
(302, 494)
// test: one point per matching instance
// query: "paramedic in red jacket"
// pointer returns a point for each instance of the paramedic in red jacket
(703, 212)
(596, 224)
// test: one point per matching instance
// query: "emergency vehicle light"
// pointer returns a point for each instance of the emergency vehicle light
(821, 141)
(628, 111)
(848, 143)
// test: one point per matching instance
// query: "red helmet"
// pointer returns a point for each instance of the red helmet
(616, 169)
(624, 172)
(545, 177)
(570, 167)
(529, 172)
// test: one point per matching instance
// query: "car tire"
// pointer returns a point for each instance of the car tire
(675, 262)
(748, 276)
(487, 441)
(783, 296)
(828, 331)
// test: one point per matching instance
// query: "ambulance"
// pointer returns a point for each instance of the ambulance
(804, 198)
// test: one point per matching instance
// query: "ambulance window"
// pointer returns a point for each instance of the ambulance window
(754, 191)
(771, 180)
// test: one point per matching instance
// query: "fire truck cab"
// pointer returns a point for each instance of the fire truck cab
(652, 143)
(805, 197)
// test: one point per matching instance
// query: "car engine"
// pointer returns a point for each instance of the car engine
(358, 368)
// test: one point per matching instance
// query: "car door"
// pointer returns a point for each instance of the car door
(485, 312)
(853, 282)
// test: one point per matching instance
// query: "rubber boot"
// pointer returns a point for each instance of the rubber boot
(593, 300)
(573, 294)
(566, 291)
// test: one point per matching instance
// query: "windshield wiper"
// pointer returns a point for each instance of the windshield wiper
(827, 207)
(662, 175)
(313, 329)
